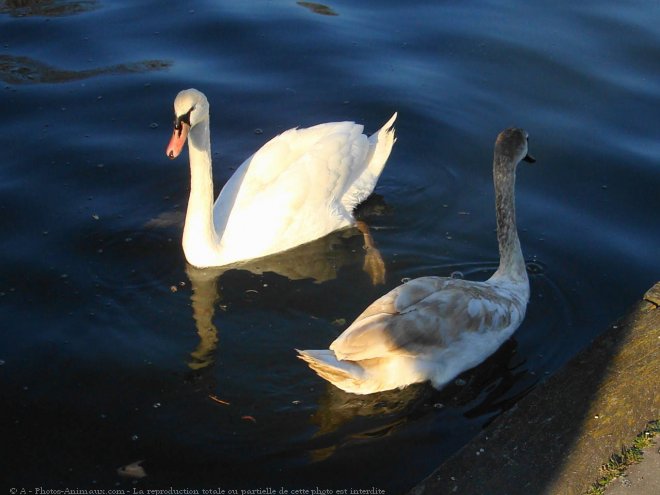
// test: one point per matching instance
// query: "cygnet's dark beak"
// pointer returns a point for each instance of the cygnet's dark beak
(529, 158)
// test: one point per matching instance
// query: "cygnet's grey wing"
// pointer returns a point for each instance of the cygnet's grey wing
(423, 314)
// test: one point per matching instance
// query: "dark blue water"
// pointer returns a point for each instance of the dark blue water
(113, 350)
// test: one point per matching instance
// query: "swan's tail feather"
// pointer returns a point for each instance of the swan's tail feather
(389, 125)
(383, 141)
(343, 374)
(380, 144)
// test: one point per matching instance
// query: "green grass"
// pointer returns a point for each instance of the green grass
(618, 463)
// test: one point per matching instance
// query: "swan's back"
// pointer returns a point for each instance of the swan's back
(296, 188)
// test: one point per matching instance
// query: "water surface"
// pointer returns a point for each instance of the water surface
(113, 350)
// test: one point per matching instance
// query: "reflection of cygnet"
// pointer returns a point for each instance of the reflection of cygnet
(300, 186)
(434, 328)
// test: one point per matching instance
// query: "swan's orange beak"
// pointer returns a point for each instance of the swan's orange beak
(178, 140)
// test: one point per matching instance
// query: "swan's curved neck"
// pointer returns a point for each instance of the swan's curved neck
(512, 262)
(199, 236)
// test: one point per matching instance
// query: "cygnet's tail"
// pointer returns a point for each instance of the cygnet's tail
(346, 375)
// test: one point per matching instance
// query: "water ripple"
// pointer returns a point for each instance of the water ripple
(131, 260)
(25, 70)
(46, 8)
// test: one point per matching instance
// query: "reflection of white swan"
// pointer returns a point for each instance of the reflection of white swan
(300, 186)
(317, 261)
(205, 296)
(320, 260)
(433, 328)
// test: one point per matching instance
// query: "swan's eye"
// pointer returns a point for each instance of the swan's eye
(185, 118)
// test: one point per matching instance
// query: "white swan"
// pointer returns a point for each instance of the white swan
(434, 328)
(300, 186)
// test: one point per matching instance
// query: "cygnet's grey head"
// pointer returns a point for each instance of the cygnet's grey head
(512, 145)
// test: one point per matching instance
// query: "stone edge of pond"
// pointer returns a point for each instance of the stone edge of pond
(555, 439)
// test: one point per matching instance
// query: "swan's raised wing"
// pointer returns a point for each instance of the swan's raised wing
(289, 192)
(336, 150)
(427, 314)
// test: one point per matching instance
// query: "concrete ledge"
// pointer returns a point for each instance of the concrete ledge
(557, 437)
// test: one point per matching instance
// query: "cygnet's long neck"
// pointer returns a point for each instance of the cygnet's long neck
(512, 262)
(199, 236)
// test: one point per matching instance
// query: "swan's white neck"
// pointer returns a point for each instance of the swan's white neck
(200, 239)
(512, 262)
